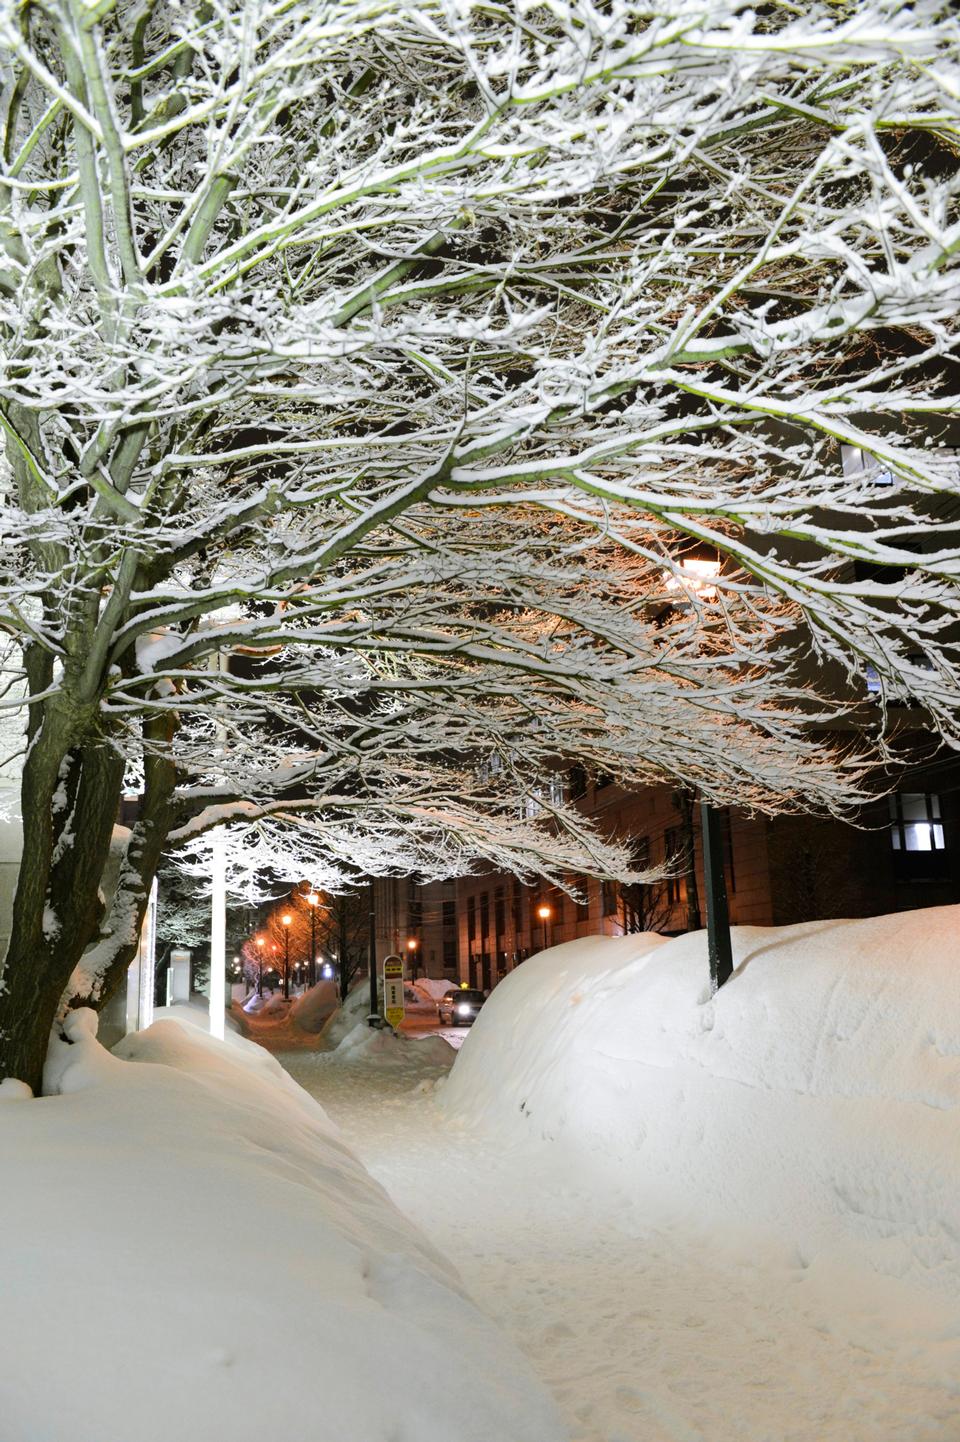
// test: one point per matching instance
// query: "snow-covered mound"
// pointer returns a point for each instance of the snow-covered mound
(354, 1010)
(135, 1308)
(385, 1046)
(311, 1010)
(819, 1091)
(433, 987)
(196, 1012)
(418, 1002)
(255, 1003)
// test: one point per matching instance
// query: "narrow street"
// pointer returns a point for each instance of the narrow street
(645, 1329)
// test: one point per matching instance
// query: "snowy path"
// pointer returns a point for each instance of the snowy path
(647, 1332)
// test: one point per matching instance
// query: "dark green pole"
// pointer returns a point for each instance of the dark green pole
(372, 951)
(719, 949)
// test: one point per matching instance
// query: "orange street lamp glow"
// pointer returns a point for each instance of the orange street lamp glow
(544, 912)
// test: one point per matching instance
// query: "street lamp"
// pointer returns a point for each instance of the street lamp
(412, 946)
(314, 901)
(286, 918)
(259, 966)
(544, 912)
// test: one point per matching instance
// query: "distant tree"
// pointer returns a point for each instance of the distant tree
(378, 375)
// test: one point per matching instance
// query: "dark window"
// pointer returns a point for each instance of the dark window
(672, 853)
(449, 954)
(636, 896)
(516, 908)
(449, 913)
(577, 782)
(608, 897)
(471, 918)
(602, 781)
(414, 907)
(499, 912)
(484, 914)
(885, 575)
(583, 907)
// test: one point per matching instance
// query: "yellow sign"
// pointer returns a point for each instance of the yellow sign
(393, 1009)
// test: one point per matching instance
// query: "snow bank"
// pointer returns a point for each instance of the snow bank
(311, 1010)
(433, 987)
(196, 1013)
(355, 1009)
(384, 1046)
(189, 1251)
(818, 1092)
(418, 1002)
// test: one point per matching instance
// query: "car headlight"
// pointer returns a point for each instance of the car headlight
(463, 1009)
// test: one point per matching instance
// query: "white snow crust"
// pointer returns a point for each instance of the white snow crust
(311, 1010)
(815, 1096)
(190, 1252)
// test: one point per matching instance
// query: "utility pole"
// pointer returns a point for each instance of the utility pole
(374, 1016)
(342, 949)
(719, 949)
(287, 920)
(314, 901)
(217, 989)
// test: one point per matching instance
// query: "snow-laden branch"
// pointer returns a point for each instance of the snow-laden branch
(409, 359)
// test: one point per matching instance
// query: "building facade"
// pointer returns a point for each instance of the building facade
(903, 853)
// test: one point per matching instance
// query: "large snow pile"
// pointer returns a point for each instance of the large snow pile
(418, 1002)
(189, 1251)
(817, 1093)
(354, 1010)
(311, 1010)
(383, 1046)
(433, 987)
(196, 1012)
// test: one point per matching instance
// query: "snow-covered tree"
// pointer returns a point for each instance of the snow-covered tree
(376, 378)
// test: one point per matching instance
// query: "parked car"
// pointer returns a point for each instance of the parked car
(459, 1007)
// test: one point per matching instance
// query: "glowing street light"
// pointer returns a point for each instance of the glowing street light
(313, 900)
(544, 912)
(413, 945)
(259, 941)
(694, 575)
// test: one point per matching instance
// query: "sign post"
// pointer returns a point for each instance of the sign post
(393, 991)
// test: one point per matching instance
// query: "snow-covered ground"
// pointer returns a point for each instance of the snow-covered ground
(188, 1251)
(729, 1220)
(700, 1220)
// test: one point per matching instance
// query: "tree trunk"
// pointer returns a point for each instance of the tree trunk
(70, 799)
(57, 907)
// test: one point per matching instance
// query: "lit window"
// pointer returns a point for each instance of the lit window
(873, 681)
(860, 464)
(916, 824)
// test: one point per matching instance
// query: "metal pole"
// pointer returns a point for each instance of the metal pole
(216, 991)
(719, 949)
(372, 952)
(312, 969)
(286, 962)
(218, 934)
